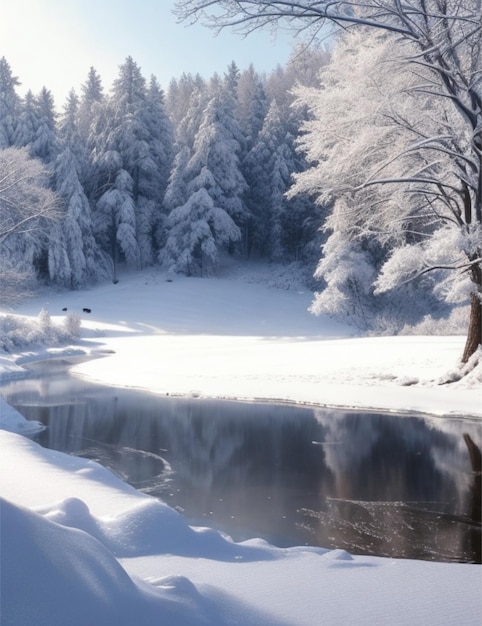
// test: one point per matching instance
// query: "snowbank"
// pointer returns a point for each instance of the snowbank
(81, 547)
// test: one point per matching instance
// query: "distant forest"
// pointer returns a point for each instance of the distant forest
(277, 167)
(174, 178)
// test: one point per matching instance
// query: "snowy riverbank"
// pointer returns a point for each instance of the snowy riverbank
(133, 558)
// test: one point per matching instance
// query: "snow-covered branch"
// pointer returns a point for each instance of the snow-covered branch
(24, 200)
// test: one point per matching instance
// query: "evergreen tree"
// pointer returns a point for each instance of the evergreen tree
(115, 220)
(27, 122)
(196, 232)
(161, 134)
(44, 143)
(177, 192)
(92, 117)
(36, 127)
(180, 97)
(85, 261)
(206, 186)
(154, 173)
(9, 105)
(252, 105)
(216, 151)
(231, 80)
(131, 163)
(188, 127)
(92, 94)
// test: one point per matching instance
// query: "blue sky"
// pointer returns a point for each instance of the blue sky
(53, 43)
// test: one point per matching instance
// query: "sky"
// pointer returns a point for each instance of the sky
(53, 43)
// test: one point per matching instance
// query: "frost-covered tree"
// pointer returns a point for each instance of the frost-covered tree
(278, 227)
(438, 43)
(28, 209)
(231, 80)
(197, 232)
(185, 133)
(176, 192)
(252, 105)
(206, 187)
(115, 220)
(124, 143)
(9, 105)
(302, 68)
(161, 135)
(85, 261)
(154, 172)
(92, 94)
(388, 160)
(44, 142)
(268, 178)
(179, 98)
(27, 121)
(216, 150)
(136, 139)
(92, 117)
(25, 199)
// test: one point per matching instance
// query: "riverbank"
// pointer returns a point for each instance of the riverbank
(249, 335)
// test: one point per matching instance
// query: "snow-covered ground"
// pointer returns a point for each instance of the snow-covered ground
(78, 546)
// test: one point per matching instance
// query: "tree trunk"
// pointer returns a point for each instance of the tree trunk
(474, 334)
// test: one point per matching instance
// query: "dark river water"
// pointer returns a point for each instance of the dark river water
(365, 482)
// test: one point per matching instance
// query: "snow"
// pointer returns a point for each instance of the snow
(79, 546)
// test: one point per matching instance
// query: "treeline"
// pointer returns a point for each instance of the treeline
(146, 176)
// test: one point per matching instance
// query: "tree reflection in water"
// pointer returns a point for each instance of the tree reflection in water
(368, 483)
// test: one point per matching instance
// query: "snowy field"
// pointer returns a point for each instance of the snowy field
(78, 546)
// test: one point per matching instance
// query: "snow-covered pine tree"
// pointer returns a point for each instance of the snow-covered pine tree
(92, 93)
(276, 230)
(119, 153)
(9, 105)
(44, 143)
(197, 231)
(91, 121)
(153, 173)
(185, 133)
(137, 139)
(216, 150)
(115, 219)
(85, 260)
(252, 105)
(27, 122)
(181, 98)
(257, 167)
(206, 188)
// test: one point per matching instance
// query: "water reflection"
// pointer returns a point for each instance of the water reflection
(368, 483)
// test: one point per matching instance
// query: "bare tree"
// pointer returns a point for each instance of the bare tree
(26, 208)
(444, 43)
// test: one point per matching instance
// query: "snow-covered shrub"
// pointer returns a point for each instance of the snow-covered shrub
(19, 332)
(72, 324)
(455, 324)
(45, 321)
